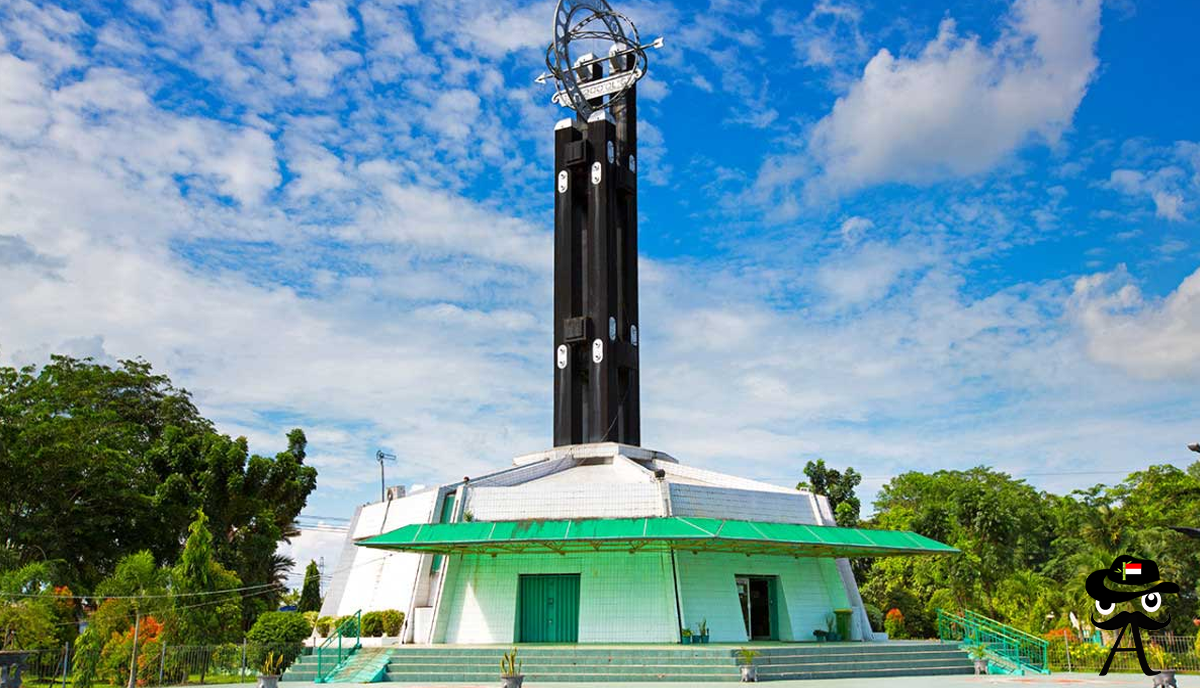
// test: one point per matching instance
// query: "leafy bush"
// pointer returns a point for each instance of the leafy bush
(324, 626)
(227, 659)
(281, 632)
(893, 623)
(393, 621)
(875, 616)
(279, 627)
(87, 658)
(372, 624)
(113, 666)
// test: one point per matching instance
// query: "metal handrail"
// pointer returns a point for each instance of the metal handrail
(1004, 644)
(1008, 629)
(329, 659)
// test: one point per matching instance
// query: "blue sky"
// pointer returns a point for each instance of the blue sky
(893, 235)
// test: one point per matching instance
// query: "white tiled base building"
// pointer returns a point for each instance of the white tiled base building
(645, 597)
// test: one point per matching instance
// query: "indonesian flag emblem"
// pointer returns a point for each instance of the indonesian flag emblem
(1130, 569)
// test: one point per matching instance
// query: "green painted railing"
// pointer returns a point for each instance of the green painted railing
(338, 647)
(1009, 649)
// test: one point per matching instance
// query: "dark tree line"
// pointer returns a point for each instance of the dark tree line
(1025, 552)
(102, 462)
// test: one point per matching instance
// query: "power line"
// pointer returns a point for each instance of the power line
(142, 597)
(188, 606)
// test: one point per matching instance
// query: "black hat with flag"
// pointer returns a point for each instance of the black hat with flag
(1127, 571)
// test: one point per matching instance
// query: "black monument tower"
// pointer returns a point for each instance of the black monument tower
(596, 372)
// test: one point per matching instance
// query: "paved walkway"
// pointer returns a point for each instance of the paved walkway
(1056, 680)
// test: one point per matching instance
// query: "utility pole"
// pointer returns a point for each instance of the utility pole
(137, 619)
(382, 456)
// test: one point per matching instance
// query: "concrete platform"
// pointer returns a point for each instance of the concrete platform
(1064, 680)
(632, 663)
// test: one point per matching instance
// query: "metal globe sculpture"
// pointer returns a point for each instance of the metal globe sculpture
(587, 82)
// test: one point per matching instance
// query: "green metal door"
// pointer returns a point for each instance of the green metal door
(548, 608)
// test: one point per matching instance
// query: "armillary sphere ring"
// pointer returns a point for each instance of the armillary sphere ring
(593, 19)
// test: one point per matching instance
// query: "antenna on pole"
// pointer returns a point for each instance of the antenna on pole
(382, 456)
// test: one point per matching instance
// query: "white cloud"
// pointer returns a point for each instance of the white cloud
(866, 274)
(959, 107)
(22, 99)
(853, 229)
(1152, 338)
(1165, 186)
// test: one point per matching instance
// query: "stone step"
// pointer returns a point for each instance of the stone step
(529, 661)
(583, 664)
(541, 668)
(858, 657)
(868, 673)
(892, 663)
(494, 677)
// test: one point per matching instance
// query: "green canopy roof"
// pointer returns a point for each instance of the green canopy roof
(652, 535)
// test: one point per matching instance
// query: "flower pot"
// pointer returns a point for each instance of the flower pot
(980, 666)
(749, 673)
(268, 682)
(704, 639)
(512, 681)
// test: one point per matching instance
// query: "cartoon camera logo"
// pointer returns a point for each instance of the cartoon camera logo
(1127, 571)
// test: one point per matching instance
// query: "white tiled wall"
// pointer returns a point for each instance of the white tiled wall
(372, 579)
(622, 597)
(724, 502)
(810, 589)
(623, 500)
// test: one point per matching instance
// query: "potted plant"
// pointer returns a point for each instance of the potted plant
(270, 671)
(978, 653)
(746, 662)
(831, 633)
(686, 634)
(510, 670)
(703, 628)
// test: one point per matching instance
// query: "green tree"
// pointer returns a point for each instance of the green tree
(280, 632)
(89, 451)
(838, 487)
(1002, 525)
(310, 596)
(27, 606)
(204, 613)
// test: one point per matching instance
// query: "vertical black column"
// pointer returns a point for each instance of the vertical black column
(601, 295)
(625, 113)
(596, 385)
(569, 330)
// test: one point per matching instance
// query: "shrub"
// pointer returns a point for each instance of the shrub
(227, 659)
(113, 665)
(875, 616)
(372, 624)
(893, 623)
(393, 621)
(279, 627)
(87, 658)
(323, 626)
(280, 632)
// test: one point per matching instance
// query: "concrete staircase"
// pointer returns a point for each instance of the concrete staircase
(303, 669)
(861, 660)
(448, 664)
(607, 664)
(366, 665)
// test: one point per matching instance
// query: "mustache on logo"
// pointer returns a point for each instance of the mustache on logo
(1138, 619)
